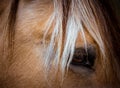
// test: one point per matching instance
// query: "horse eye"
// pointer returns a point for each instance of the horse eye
(84, 58)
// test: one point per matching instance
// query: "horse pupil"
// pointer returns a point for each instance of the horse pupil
(83, 58)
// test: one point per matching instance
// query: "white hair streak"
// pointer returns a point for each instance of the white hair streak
(80, 13)
(56, 19)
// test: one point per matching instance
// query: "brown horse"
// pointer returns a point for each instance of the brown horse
(59, 44)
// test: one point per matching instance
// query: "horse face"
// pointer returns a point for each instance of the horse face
(27, 65)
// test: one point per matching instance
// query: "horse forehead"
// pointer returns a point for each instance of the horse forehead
(32, 17)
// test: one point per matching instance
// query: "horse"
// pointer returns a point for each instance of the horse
(59, 44)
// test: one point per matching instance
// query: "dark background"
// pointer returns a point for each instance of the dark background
(116, 6)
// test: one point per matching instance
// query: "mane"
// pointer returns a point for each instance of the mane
(75, 18)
